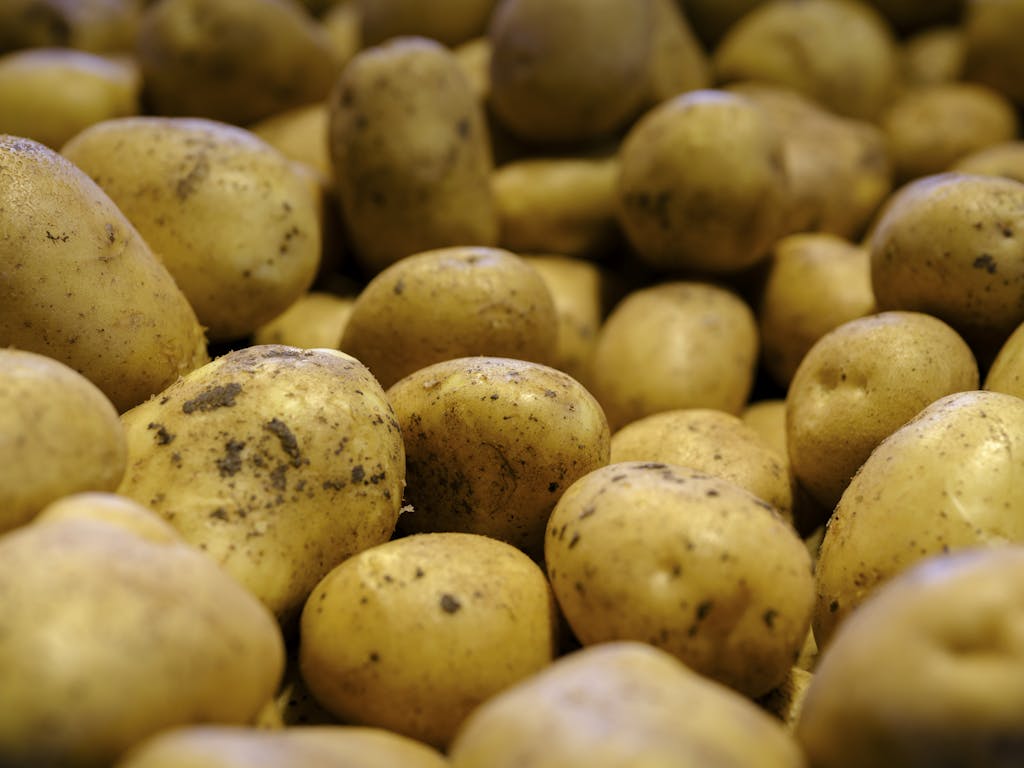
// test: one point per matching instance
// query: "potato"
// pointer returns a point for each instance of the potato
(618, 704)
(909, 15)
(59, 434)
(702, 183)
(678, 61)
(237, 61)
(448, 21)
(301, 134)
(113, 509)
(410, 184)
(814, 284)
(943, 481)
(768, 419)
(837, 169)
(860, 383)
(316, 319)
(1003, 159)
(841, 53)
(931, 127)
(949, 245)
(786, 701)
(713, 442)
(569, 70)
(343, 24)
(474, 56)
(993, 56)
(491, 443)
(1007, 371)
(928, 672)
(50, 94)
(448, 303)
(711, 19)
(932, 56)
(413, 634)
(97, 26)
(684, 561)
(564, 205)
(311, 747)
(278, 462)
(81, 286)
(142, 634)
(678, 344)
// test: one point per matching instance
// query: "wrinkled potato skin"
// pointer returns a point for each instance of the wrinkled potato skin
(936, 651)
(675, 345)
(235, 222)
(714, 442)
(278, 462)
(405, 184)
(491, 444)
(150, 635)
(83, 286)
(449, 303)
(445, 621)
(943, 481)
(59, 434)
(50, 94)
(563, 716)
(685, 561)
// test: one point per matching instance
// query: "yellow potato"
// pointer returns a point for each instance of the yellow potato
(50, 94)
(861, 382)
(713, 442)
(945, 480)
(301, 134)
(448, 303)
(688, 562)
(1007, 371)
(675, 345)
(114, 509)
(678, 61)
(235, 222)
(814, 284)
(315, 320)
(405, 184)
(59, 434)
(413, 634)
(618, 704)
(448, 21)
(993, 56)
(928, 672)
(933, 55)
(1002, 159)
(141, 633)
(97, 26)
(491, 443)
(768, 419)
(82, 286)
(278, 462)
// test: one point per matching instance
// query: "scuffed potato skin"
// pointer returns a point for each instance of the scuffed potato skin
(278, 462)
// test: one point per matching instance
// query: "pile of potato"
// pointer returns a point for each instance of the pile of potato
(526, 383)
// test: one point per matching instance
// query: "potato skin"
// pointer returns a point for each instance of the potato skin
(279, 462)
(491, 443)
(684, 561)
(618, 704)
(149, 635)
(448, 21)
(1007, 371)
(235, 222)
(83, 286)
(405, 184)
(61, 435)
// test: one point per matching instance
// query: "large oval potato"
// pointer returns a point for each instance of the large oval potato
(688, 562)
(413, 634)
(82, 286)
(278, 462)
(142, 633)
(491, 443)
(235, 221)
(945, 480)
(59, 434)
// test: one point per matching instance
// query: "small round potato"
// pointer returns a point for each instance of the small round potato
(142, 633)
(952, 245)
(713, 442)
(234, 220)
(413, 634)
(1007, 371)
(684, 561)
(491, 443)
(448, 303)
(675, 345)
(945, 480)
(59, 434)
(860, 383)
(278, 462)
(928, 672)
(619, 704)
(702, 183)
(815, 283)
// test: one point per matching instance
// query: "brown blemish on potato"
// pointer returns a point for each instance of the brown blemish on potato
(986, 262)
(222, 396)
(358, 473)
(162, 436)
(231, 462)
(449, 603)
(190, 182)
(769, 618)
(289, 444)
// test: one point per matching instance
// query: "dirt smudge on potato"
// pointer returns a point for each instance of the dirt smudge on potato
(289, 444)
(221, 396)
(231, 462)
